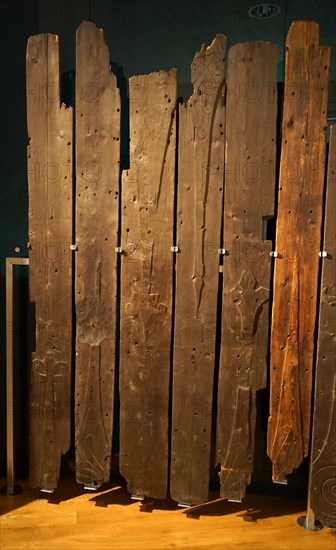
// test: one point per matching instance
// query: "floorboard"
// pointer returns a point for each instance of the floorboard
(110, 519)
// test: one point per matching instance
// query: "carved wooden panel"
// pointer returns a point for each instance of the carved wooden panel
(97, 189)
(249, 198)
(146, 284)
(50, 235)
(323, 453)
(199, 214)
(297, 243)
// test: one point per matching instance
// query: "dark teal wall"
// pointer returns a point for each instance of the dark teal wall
(18, 20)
(148, 35)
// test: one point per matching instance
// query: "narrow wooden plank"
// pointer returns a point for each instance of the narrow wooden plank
(199, 215)
(323, 452)
(146, 284)
(298, 243)
(50, 234)
(97, 189)
(249, 198)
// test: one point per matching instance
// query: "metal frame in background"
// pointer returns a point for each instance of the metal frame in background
(10, 489)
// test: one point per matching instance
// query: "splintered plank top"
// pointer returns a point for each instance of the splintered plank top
(146, 284)
(323, 454)
(249, 197)
(50, 234)
(97, 188)
(297, 243)
(199, 214)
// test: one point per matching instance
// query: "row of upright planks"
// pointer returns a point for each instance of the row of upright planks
(187, 219)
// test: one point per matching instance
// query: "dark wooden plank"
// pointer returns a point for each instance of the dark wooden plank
(199, 215)
(249, 198)
(323, 452)
(146, 284)
(50, 235)
(298, 243)
(97, 189)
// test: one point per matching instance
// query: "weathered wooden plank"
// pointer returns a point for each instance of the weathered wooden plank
(146, 284)
(199, 215)
(298, 238)
(323, 452)
(249, 198)
(50, 234)
(97, 189)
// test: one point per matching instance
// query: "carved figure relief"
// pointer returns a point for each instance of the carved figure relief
(249, 299)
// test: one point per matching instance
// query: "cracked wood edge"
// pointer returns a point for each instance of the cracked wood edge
(199, 215)
(97, 196)
(50, 234)
(146, 284)
(298, 238)
(249, 198)
(323, 453)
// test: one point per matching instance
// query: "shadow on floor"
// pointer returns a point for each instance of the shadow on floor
(115, 493)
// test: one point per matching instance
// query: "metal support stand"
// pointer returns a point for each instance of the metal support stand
(184, 504)
(308, 521)
(91, 486)
(282, 482)
(137, 497)
(10, 489)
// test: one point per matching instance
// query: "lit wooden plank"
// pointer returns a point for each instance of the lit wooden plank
(249, 199)
(146, 284)
(50, 235)
(199, 218)
(97, 189)
(298, 238)
(323, 453)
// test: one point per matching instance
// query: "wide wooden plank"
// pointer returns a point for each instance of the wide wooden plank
(50, 235)
(323, 452)
(146, 284)
(249, 198)
(199, 215)
(298, 238)
(97, 190)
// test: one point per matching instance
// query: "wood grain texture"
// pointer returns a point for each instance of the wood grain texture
(249, 198)
(323, 452)
(110, 520)
(146, 284)
(199, 215)
(97, 189)
(50, 234)
(298, 238)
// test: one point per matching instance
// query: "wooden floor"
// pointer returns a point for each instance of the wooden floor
(109, 520)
